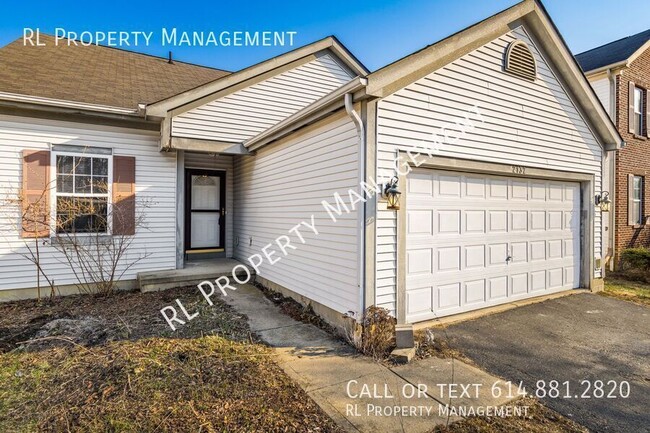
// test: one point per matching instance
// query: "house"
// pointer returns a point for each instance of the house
(493, 138)
(619, 72)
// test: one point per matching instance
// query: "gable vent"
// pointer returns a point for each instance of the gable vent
(520, 61)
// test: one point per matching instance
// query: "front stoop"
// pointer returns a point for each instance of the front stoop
(193, 274)
(355, 391)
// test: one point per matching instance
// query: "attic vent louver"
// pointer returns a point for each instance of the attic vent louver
(519, 61)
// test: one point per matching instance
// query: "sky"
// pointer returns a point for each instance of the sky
(378, 32)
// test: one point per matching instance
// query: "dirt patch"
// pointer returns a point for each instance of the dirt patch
(433, 342)
(98, 364)
(123, 315)
(539, 419)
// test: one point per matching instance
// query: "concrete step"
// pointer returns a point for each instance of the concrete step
(193, 274)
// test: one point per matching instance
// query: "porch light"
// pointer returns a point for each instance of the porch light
(603, 201)
(392, 194)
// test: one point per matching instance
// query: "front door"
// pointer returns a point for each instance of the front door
(204, 210)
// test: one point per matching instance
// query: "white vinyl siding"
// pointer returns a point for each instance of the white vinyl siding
(247, 112)
(208, 161)
(155, 184)
(283, 184)
(533, 124)
(603, 92)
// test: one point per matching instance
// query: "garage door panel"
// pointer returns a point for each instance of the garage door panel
(497, 288)
(420, 222)
(498, 221)
(519, 283)
(477, 240)
(475, 292)
(474, 222)
(448, 296)
(474, 256)
(419, 261)
(448, 259)
(448, 222)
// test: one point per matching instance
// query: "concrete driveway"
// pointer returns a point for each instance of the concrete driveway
(574, 338)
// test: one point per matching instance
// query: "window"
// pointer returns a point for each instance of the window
(638, 111)
(82, 191)
(636, 205)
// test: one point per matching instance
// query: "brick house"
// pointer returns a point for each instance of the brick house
(619, 72)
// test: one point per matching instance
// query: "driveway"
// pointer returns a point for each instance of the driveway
(574, 338)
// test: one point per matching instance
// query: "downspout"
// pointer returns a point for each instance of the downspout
(356, 119)
(609, 258)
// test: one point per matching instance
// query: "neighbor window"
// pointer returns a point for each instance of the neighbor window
(636, 205)
(82, 191)
(638, 111)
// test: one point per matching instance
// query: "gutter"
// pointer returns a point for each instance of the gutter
(356, 119)
(14, 97)
(607, 68)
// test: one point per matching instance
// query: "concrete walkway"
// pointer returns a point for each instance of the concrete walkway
(359, 394)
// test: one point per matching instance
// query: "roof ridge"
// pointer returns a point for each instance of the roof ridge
(137, 53)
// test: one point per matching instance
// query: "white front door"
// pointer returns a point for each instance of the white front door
(476, 240)
(205, 210)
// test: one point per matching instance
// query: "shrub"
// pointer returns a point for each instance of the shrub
(375, 334)
(635, 264)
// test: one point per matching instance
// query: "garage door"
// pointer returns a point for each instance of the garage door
(477, 240)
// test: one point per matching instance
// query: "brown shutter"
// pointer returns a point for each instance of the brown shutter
(631, 217)
(123, 195)
(647, 113)
(630, 108)
(35, 197)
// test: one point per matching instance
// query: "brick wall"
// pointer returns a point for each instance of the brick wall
(633, 159)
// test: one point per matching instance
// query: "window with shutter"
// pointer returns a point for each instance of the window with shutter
(637, 107)
(635, 200)
(123, 195)
(35, 194)
(82, 191)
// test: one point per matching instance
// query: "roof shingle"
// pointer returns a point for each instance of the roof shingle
(613, 52)
(96, 74)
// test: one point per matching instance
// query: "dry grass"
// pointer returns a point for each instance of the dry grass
(632, 291)
(210, 377)
(540, 419)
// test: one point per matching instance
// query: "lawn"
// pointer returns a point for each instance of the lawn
(540, 419)
(124, 370)
(636, 292)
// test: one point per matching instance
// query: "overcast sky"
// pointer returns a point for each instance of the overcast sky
(376, 31)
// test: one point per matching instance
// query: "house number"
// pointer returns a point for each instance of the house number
(518, 169)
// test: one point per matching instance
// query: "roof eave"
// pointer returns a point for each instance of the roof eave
(65, 104)
(618, 65)
(230, 82)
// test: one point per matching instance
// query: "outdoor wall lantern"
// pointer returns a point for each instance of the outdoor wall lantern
(392, 194)
(603, 201)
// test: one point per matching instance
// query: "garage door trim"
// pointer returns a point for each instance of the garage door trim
(407, 162)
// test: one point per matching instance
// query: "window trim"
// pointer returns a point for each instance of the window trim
(54, 194)
(638, 218)
(641, 115)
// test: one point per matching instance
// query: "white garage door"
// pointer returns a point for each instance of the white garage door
(476, 240)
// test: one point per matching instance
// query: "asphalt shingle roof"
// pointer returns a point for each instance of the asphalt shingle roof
(96, 74)
(612, 52)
